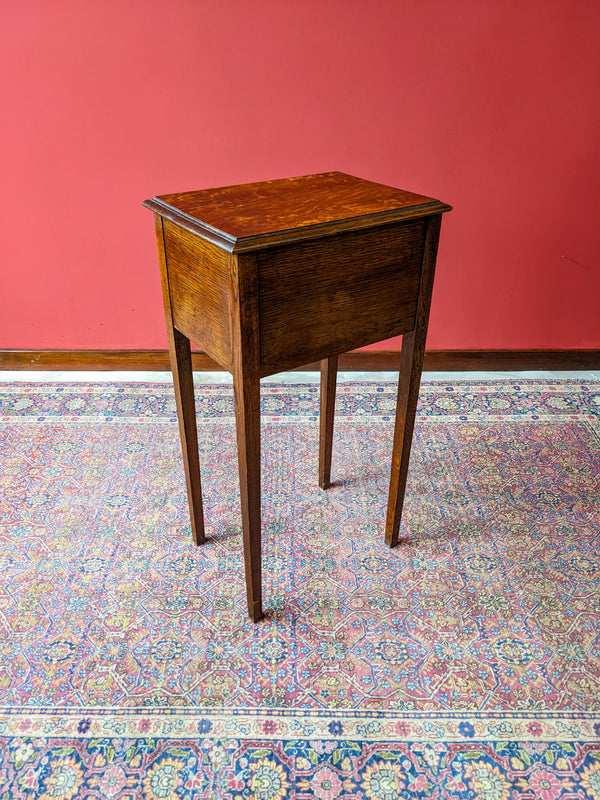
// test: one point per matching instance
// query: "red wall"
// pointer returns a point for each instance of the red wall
(490, 105)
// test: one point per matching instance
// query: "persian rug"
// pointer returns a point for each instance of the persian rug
(465, 663)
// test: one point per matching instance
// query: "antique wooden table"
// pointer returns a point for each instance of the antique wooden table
(265, 277)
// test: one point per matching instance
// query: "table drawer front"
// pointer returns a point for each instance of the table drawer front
(331, 295)
(199, 286)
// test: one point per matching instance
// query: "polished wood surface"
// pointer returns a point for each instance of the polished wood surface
(256, 215)
(271, 276)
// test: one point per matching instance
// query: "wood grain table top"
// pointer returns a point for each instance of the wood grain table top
(257, 215)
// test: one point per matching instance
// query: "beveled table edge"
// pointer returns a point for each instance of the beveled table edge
(315, 231)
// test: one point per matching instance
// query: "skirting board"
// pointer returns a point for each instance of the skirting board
(358, 360)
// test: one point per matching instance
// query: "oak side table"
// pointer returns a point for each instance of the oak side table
(265, 277)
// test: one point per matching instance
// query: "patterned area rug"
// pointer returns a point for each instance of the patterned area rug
(463, 664)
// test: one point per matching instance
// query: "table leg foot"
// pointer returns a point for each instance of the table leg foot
(327, 412)
(255, 612)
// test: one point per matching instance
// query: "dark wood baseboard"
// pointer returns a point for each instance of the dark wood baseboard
(357, 361)
(507, 360)
(134, 360)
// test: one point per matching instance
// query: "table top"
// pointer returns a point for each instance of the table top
(257, 215)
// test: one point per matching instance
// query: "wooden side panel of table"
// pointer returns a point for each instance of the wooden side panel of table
(326, 297)
(200, 290)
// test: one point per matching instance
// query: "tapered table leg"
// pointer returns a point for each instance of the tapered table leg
(327, 412)
(406, 407)
(411, 365)
(183, 380)
(247, 416)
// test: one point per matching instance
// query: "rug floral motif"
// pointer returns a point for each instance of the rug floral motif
(463, 663)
